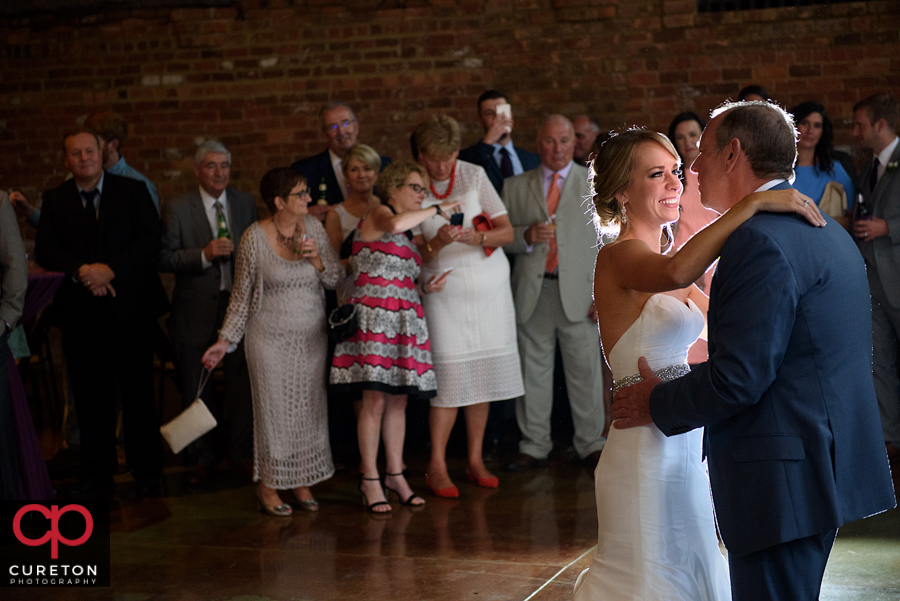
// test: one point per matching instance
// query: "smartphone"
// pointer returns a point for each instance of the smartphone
(456, 219)
(504, 109)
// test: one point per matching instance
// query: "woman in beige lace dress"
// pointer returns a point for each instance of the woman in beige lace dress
(282, 265)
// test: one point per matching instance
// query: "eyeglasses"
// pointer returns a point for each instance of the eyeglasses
(301, 193)
(328, 127)
(417, 188)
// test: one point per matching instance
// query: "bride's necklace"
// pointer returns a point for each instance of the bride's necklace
(292, 243)
(449, 188)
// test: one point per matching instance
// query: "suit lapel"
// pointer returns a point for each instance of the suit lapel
(330, 178)
(199, 220)
(537, 189)
(882, 181)
(105, 209)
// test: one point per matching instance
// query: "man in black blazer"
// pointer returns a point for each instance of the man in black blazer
(203, 264)
(103, 232)
(340, 129)
(495, 152)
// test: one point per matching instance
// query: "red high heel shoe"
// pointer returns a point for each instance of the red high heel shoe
(490, 482)
(449, 492)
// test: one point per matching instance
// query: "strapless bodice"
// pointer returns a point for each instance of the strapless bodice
(663, 333)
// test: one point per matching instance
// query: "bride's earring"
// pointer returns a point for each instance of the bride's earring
(624, 215)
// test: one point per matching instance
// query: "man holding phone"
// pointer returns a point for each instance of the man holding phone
(496, 152)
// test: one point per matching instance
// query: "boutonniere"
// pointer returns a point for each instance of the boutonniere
(891, 167)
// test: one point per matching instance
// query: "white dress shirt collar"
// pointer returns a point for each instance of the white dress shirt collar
(769, 185)
(209, 200)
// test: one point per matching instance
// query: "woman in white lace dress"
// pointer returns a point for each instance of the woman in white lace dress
(282, 265)
(472, 323)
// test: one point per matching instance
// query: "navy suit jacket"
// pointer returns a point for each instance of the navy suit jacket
(483, 154)
(793, 435)
(316, 167)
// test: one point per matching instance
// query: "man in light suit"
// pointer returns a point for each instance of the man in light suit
(786, 396)
(495, 152)
(340, 128)
(103, 232)
(555, 246)
(874, 126)
(203, 264)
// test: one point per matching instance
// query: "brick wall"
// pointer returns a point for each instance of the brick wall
(254, 76)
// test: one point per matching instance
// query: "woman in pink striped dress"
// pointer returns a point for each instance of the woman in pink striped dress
(389, 358)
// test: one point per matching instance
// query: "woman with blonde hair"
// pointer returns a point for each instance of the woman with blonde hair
(389, 357)
(360, 167)
(476, 358)
(657, 537)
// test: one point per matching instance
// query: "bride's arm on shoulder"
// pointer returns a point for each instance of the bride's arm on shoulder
(639, 267)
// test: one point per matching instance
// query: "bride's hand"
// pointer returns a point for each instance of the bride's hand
(788, 200)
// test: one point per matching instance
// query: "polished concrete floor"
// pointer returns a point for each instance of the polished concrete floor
(527, 540)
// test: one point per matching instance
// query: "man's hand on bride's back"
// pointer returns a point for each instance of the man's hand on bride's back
(631, 405)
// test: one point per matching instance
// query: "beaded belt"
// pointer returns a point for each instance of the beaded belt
(665, 374)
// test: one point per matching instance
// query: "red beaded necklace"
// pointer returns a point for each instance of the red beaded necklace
(449, 188)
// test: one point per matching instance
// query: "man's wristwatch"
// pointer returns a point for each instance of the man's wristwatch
(8, 327)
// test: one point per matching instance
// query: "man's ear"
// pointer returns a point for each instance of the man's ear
(735, 154)
(879, 125)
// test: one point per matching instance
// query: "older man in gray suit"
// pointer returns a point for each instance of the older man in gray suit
(201, 231)
(874, 126)
(555, 245)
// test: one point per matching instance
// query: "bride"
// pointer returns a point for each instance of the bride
(657, 538)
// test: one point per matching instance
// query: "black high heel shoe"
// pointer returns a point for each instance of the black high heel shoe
(409, 500)
(370, 507)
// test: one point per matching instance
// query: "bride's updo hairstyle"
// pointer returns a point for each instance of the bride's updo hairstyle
(612, 171)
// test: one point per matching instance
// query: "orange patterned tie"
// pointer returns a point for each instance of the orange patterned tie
(552, 203)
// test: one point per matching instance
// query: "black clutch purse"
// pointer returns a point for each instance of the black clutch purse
(343, 322)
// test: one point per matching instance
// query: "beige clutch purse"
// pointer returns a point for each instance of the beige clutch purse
(834, 200)
(191, 424)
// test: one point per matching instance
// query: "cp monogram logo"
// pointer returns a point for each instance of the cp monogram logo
(53, 534)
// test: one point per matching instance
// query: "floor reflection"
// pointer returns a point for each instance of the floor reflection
(529, 539)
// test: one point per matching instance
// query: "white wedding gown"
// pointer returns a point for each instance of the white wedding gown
(657, 540)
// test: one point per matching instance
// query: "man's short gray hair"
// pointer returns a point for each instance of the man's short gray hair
(767, 135)
(210, 147)
(335, 104)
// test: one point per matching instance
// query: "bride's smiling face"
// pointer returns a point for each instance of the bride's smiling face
(655, 190)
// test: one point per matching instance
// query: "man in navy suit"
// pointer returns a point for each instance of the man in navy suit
(496, 152)
(340, 128)
(103, 232)
(792, 428)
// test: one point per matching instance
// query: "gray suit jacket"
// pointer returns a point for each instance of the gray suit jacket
(576, 240)
(884, 202)
(185, 233)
